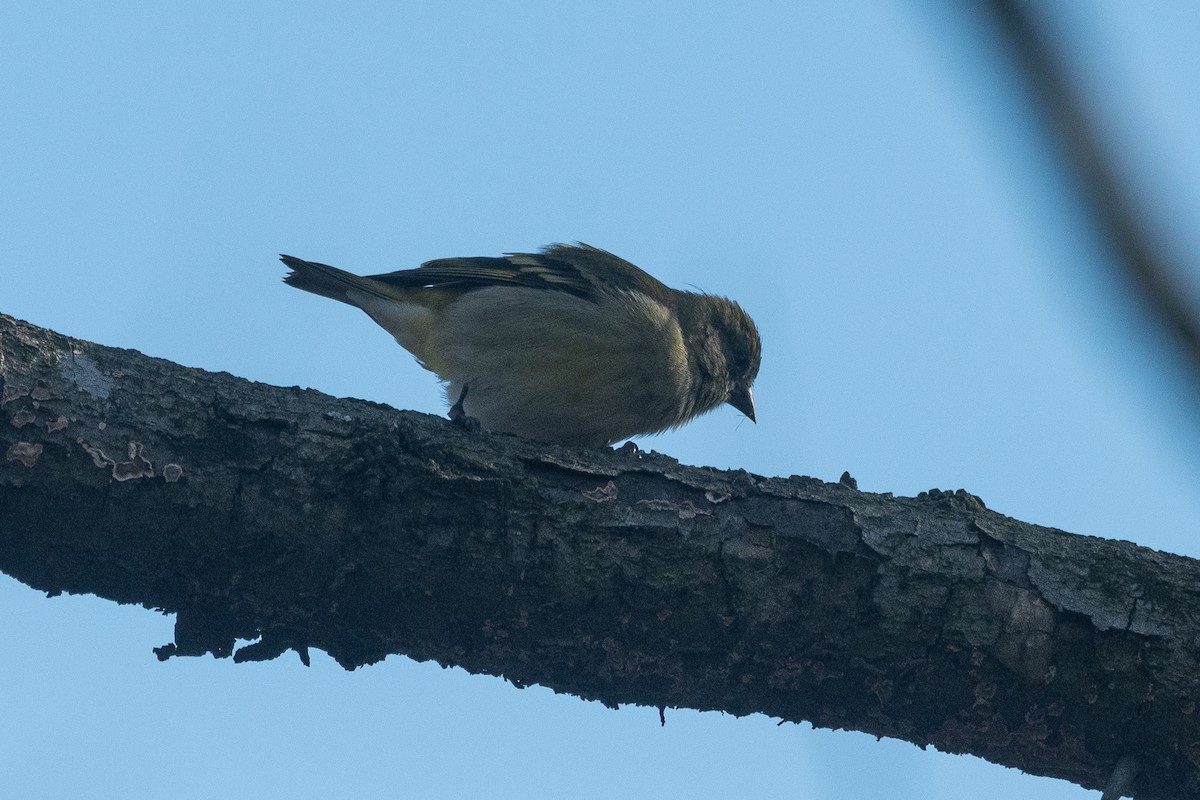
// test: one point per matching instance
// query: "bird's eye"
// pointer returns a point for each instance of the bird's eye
(740, 362)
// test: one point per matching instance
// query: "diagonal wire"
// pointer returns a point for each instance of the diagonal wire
(1145, 264)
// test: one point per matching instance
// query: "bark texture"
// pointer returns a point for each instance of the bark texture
(299, 520)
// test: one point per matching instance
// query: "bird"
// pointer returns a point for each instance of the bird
(570, 344)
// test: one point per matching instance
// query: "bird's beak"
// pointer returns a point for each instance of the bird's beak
(741, 399)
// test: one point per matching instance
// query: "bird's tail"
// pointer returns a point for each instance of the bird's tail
(330, 281)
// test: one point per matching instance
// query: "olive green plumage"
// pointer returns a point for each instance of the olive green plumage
(570, 345)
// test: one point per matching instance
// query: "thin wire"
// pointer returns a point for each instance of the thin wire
(1146, 264)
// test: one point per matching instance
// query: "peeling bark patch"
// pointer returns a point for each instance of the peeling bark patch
(26, 453)
(41, 392)
(98, 457)
(685, 510)
(1026, 640)
(22, 418)
(1009, 564)
(86, 375)
(1081, 594)
(830, 527)
(172, 473)
(754, 545)
(602, 494)
(57, 424)
(136, 467)
(12, 393)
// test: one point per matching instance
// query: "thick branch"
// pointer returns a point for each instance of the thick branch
(254, 511)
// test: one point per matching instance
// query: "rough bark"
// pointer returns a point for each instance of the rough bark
(299, 520)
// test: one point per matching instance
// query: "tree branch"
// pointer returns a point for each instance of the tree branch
(1146, 263)
(300, 520)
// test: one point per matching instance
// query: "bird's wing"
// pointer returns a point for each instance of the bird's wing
(580, 269)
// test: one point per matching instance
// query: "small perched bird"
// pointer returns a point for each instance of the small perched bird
(569, 345)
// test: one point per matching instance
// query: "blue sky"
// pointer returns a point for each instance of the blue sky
(861, 177)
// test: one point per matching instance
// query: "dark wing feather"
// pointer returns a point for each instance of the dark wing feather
(581, 270)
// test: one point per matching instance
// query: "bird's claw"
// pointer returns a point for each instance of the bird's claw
(458, 414)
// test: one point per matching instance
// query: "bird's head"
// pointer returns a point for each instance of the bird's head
(727, 350)
(743, 352)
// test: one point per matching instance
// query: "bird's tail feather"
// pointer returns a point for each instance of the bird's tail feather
(330, 281)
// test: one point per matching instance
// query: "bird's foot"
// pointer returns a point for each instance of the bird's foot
(458, 414)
